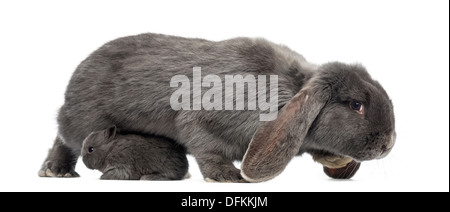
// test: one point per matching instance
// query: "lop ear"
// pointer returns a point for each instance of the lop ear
(275, 143)
(110, 133)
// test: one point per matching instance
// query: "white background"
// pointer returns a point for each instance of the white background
(403, 44)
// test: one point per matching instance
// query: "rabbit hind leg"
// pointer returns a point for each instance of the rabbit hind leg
(60, 162)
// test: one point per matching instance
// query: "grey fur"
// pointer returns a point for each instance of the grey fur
(132, 157)
(323, 124)
(126, 83)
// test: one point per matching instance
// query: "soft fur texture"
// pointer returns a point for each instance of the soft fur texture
(126, 83)
(132, 157)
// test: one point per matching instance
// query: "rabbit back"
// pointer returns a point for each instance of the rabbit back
(126, 83)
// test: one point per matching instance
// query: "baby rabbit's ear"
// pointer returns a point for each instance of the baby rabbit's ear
(276, 142)
(110, 133)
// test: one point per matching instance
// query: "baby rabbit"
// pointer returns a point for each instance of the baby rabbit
(133, 157)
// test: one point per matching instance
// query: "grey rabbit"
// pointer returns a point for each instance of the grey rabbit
(334, 111)
(122, 156)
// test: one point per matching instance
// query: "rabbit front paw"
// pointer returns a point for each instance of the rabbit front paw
(230, 175)
(331, 160)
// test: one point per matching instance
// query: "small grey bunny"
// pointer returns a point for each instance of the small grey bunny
(133, 157)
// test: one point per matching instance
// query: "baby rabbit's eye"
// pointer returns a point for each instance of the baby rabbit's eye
(91, 149)
(357, 106)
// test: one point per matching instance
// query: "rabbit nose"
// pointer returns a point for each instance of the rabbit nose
(385, 149)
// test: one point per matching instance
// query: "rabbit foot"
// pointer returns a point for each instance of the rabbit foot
(216, 168)
(230, 176)
(60, 162)
(345, 172)
(331, 160)
(154, 177)
(51, 169)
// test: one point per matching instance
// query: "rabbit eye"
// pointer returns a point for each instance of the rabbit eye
(357, 106)
(91, 149)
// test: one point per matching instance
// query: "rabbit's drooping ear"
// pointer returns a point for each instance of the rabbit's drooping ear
(276, 142)
(110, 133)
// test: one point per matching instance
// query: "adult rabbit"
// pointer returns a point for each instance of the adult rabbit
(332, 110)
